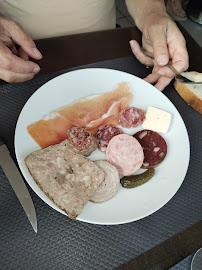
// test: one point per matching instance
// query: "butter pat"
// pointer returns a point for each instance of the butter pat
(157, 120)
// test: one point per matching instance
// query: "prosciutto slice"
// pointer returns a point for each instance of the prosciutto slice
(87, 113)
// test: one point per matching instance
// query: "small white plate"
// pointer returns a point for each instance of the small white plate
(128, 204)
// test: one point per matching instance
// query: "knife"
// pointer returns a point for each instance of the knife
(18, 185)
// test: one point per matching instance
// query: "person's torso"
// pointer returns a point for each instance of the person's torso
(49, 18)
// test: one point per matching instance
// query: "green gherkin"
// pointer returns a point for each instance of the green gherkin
(133, 181)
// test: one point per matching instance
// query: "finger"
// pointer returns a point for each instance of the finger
(7, 41)
(155, 68)
(137, 51)
(22, 54)
(159, 44)
(162, 83)
(166, 72)
(180, 66)
(11, 62)
(14, 50)
(21, 38)
(180, 58)
(152, 78)
(11, 77)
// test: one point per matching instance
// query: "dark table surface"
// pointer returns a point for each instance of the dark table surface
(157, 242)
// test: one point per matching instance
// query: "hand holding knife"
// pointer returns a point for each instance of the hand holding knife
(18, 185)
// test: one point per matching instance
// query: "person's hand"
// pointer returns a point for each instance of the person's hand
(161, 36)
(15, 49)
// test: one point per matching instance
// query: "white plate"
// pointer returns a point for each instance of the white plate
(128, 204)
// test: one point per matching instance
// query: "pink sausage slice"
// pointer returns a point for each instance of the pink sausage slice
(125, 153)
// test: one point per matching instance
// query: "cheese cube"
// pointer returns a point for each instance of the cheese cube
(157, 120)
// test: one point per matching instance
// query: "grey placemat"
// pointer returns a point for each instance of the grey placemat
(62, 243)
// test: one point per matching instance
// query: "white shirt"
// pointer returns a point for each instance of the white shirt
(50, 18)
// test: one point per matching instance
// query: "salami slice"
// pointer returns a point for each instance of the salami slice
(154, 147)
(125, 153)
(82, 141)
(105, 134)
(131, 117)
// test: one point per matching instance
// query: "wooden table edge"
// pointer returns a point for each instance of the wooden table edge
(64, 52)
(169, 252)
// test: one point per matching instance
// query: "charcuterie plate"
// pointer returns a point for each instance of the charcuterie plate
(128, 204)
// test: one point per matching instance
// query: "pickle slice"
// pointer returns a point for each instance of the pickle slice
(133, 181)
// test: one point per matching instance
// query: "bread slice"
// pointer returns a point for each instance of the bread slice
(66, 177)
(191, 93)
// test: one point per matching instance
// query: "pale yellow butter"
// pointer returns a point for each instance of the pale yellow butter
(157, 120)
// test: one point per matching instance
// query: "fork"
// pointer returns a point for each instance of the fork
(178, 76)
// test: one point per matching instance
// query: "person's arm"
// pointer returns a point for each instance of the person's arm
(14, 60)
(161, 36)
(140, 9)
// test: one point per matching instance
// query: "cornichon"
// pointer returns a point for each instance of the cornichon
(133, 181)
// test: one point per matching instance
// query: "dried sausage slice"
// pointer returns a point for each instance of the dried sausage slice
(154, 147)
(125, 153)
(82, 141)
(109, 187)
(131, 117)
(105, 134)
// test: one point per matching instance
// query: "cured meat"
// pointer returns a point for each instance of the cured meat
(154, 147)
(49, 132)
(66, 177)
(86, 113)
(82, 141)
(131, 117)
(125, 153)
(109, 187)
(105, 134)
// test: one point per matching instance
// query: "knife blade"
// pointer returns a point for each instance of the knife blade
(12, 173)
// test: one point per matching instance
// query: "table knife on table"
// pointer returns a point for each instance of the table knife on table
(18, 185)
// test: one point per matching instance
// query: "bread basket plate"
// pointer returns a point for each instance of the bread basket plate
(128, 204)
